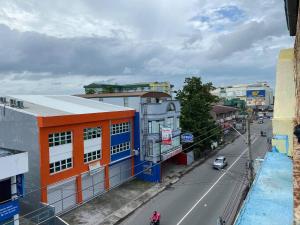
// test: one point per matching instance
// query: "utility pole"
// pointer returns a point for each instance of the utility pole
(250, 172)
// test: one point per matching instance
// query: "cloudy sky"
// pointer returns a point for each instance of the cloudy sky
(57, 46)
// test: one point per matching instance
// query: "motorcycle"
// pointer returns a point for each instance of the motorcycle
(154, 222)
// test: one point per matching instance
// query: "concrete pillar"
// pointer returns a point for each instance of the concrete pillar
(14, 196)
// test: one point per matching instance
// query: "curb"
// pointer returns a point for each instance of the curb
(127, 210)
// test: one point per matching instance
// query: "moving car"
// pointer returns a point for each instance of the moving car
(220, 162)
(260, 121)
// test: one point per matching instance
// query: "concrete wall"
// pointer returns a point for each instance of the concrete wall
(20, 131)
(285, 101)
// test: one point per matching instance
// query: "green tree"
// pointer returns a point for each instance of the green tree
(196, 104)
(90, 91)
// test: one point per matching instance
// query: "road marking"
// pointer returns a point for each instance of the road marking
(217, 181)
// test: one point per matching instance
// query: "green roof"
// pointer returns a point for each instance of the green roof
(95, 85)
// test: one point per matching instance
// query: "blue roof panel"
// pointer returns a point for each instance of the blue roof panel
(270, 200)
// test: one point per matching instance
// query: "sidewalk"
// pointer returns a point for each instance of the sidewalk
(114, 206)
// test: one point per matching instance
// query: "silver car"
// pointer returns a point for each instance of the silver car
(220, 162)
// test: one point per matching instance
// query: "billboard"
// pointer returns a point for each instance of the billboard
(255, 93)
(166, 136)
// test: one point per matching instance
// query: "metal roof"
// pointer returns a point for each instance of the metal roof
(143, 94)
(270, 200)
(55, 105)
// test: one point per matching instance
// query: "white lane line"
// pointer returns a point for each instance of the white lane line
(217, 181)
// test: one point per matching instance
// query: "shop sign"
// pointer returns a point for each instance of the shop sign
(9, 209)
(95, 168)
(187, 138)
(166, 136)
(171, 154)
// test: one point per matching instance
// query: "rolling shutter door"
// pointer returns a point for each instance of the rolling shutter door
(92, 185)
(120, 172)
(62, 195)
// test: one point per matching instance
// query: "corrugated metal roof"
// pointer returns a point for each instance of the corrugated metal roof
(270, 200)
(54, 105)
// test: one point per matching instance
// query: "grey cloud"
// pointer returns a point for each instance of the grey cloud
(38, 53)
(247, 35)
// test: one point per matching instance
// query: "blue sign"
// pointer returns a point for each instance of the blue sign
(187, 138)
(255, 93)
(9, 209)
(20, 185)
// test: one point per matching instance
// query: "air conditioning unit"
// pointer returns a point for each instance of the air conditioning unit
(12, 102)
(2, 100)
(20, 104)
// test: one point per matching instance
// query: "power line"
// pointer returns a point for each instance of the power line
(23, 216)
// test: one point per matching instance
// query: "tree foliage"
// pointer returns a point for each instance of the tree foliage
(196, 104)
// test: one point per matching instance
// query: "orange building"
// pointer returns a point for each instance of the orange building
(77, 149)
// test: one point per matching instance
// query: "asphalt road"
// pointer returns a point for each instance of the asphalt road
(201, 196)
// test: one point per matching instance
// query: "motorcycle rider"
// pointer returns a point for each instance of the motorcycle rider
(155, 218)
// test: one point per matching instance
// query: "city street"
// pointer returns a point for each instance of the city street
(201, 196)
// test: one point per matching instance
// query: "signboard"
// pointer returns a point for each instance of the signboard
(187, 138)
(20, 184)
(9, 209)
(172, 153)
(95, 168)
(166, 136)
(255, 93)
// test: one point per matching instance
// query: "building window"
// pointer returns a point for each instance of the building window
(150, 127)
(155, 125)
(60, 165)
(171, 107)
(120, 148)
(177, 122)
(125, 101)
(170, 122)
(62, 138)
(91, 156)
(119, 128)
(91, 133)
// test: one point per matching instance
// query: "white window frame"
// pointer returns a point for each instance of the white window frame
(59, 166)
(92, 133)
(92, 156)
(120, 128)
(122, 147)
(59, 138)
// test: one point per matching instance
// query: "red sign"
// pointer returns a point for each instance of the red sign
(166, 136)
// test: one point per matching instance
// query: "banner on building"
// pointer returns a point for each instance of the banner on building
(255, 93)
(166, 136)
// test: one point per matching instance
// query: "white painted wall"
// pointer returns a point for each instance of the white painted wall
(60, 152)
(13, 165)
(92, 145)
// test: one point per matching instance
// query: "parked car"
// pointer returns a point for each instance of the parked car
(220, 162)
(260, 121)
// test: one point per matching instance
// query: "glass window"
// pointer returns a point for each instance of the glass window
(62, 138)
(119, 128)
(119, 148)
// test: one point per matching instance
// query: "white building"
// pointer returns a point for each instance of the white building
(259, 94)
(13, 165)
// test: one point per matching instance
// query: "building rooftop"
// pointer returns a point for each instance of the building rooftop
(99, 85)
(143, 94)
(56, 105)
(218, 109)
(270, 200)
(7, 152)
